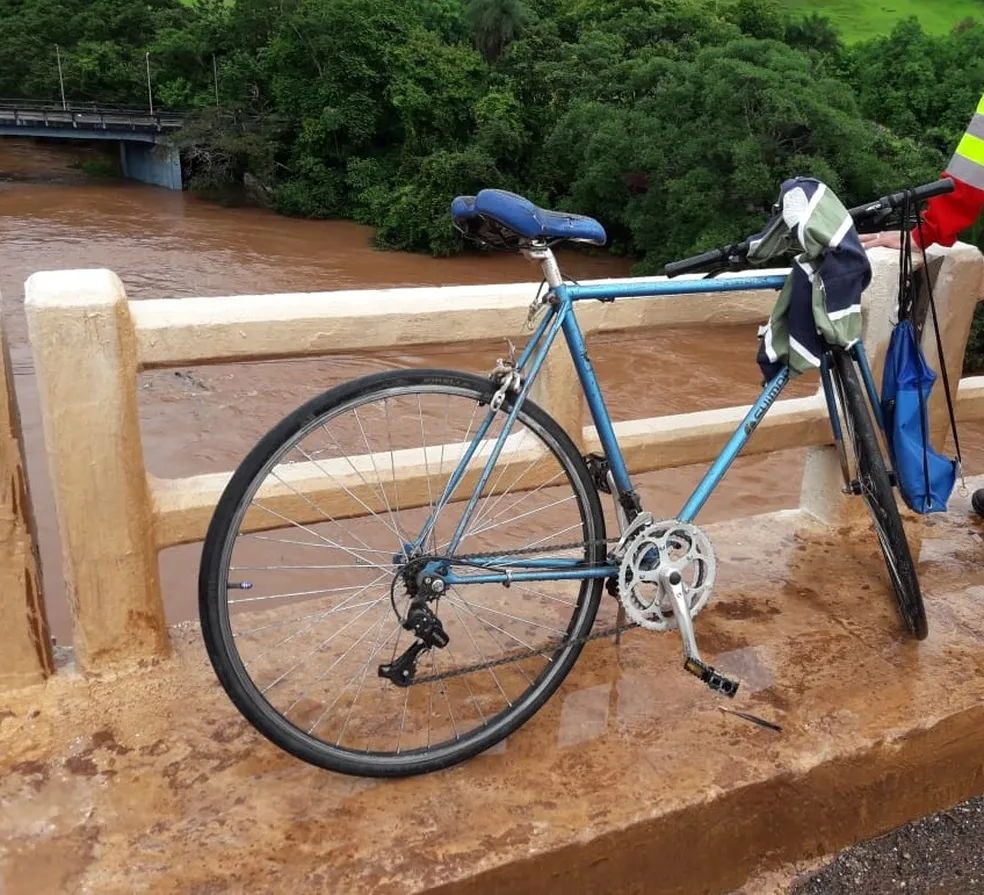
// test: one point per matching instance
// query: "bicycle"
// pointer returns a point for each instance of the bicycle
(471, 566)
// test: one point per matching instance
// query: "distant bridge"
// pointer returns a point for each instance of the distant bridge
(136, 130)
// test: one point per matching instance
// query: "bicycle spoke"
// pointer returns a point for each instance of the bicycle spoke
(351, 494)
(468, 606)
(491, 631)
(396, 483)
(318, 535)
(318, 648)
(514, 618)
(525, 515)
(310, 626)
(481, 652)
(379, 478)
(423, 447)
(301, 593)
(323, 544)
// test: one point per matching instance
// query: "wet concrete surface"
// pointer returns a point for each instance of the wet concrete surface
(629, 780)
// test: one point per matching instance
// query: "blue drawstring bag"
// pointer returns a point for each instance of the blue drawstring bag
(925, 478)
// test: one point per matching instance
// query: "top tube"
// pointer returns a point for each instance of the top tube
(635, 289)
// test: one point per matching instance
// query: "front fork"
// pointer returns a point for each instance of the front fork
(857, 353)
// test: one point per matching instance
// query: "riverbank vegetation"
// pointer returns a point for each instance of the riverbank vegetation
(673, 121)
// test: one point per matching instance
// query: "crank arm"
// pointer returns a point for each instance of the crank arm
(672, 583)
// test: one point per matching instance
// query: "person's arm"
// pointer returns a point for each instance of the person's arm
(948, 215)
(945, 218)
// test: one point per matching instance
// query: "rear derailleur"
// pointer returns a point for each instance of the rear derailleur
(424, 587)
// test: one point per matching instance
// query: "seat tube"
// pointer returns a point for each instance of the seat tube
(585, 372)
(592, 393)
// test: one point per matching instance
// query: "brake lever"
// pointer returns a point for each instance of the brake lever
(726, 267)
(732, 266)
(876, 223)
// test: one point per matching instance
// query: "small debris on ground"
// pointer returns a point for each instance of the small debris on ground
(191, 379)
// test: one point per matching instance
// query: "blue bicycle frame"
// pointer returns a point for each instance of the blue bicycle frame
(560, 317)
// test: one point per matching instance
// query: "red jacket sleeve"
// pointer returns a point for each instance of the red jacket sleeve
(947, 215)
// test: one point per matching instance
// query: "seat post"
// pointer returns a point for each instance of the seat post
(544, 256)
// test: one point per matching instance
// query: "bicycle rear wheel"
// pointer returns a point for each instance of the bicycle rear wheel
(316, 523)
(876, 489)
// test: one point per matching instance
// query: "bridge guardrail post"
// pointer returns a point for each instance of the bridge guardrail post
(957, 289)
(85, 358)
(25, 644)
(557, 391)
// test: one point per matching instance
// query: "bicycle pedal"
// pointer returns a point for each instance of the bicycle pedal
(714, 679)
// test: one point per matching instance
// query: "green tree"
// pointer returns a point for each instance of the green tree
(495, 24)
(814, 32)
(758, 18)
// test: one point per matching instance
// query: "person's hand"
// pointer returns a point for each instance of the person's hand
(891, 239)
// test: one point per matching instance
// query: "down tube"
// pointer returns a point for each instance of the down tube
(734, 447)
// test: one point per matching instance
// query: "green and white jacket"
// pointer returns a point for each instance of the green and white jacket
(821, 298)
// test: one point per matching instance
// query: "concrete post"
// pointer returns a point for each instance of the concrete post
(557, 391)
(956, 291)
(158, 165)
(25, 644)
(86, 362)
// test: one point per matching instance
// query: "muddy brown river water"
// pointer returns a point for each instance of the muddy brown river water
(164, 244)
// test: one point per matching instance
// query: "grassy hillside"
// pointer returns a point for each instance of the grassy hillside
(858, 19)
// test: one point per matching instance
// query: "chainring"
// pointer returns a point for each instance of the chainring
(650, 552)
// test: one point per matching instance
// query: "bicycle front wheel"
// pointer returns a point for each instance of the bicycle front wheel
(301, 594)
(876, 489)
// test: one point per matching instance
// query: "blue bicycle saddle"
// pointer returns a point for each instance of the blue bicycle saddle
(526, 219)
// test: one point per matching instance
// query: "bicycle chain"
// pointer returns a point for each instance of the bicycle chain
(465, 559)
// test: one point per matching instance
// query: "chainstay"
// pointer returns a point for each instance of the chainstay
(467, 558)
(526, 551)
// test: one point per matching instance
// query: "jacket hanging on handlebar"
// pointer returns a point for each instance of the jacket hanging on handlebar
(821, 298)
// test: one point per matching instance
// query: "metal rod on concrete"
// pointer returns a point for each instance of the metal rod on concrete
(61, 78)
(150, 92)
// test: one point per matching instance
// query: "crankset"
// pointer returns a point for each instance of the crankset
(665, 577)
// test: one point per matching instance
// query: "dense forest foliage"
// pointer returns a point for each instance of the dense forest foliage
(672, 121)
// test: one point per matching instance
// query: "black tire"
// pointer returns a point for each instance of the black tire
(878, 494)
(224, 527)
(977, 501)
